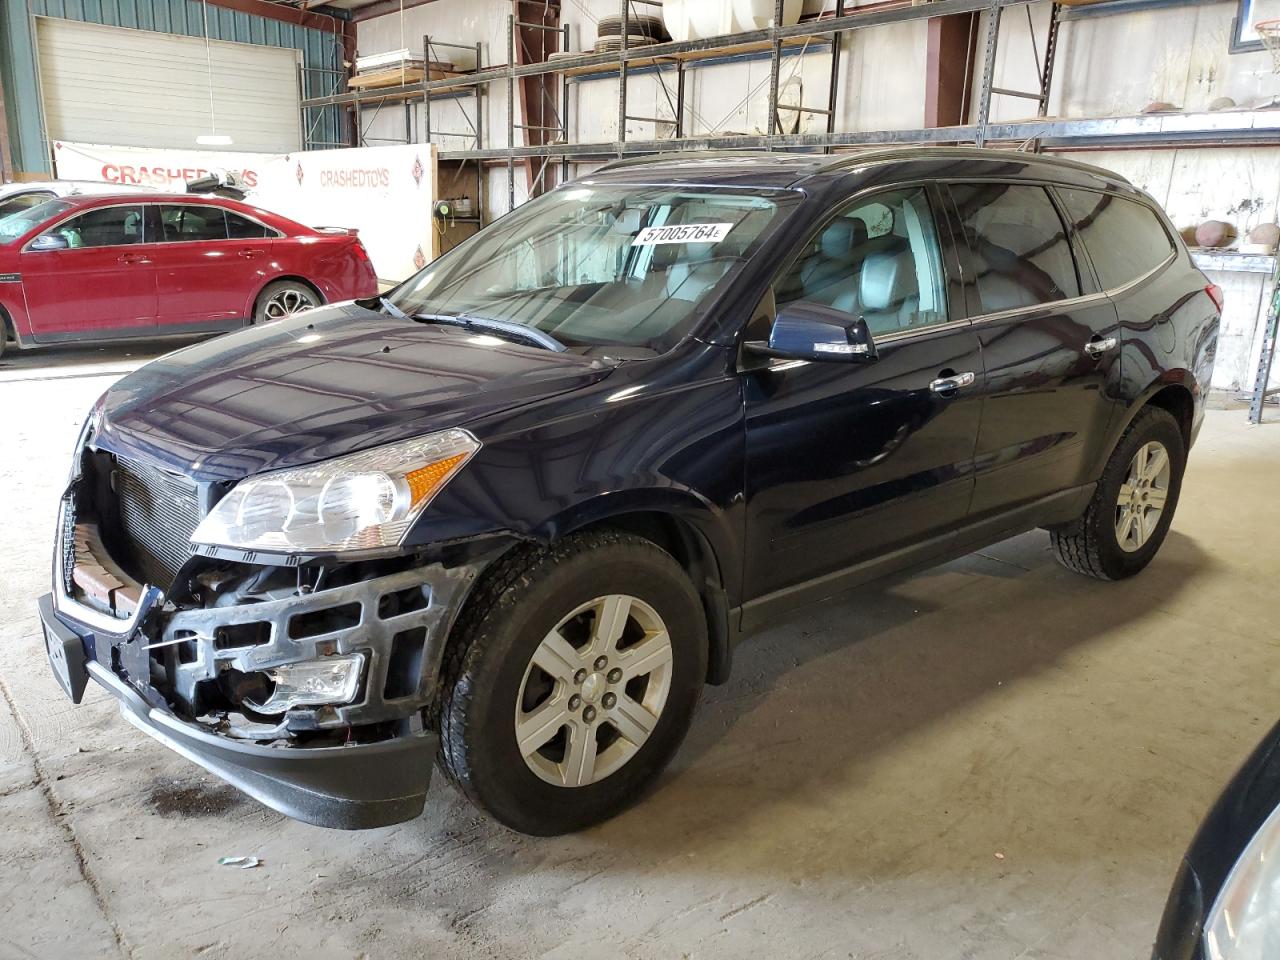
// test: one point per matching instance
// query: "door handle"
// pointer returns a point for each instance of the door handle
(1096, 348)
(134, 258)
(250, 254)
(950, 384)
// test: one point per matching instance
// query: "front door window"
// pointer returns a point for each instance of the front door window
(879, 259)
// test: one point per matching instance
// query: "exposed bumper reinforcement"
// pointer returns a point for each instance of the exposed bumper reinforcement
(347, 788)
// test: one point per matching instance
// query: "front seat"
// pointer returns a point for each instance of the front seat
(831, 276)
(889, 291)
(696, 271)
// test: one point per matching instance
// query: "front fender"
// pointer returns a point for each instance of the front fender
(13, 306)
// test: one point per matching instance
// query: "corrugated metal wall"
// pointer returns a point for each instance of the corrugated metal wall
(321, 57)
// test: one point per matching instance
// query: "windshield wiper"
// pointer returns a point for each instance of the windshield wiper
(505, 328)
(380, 302)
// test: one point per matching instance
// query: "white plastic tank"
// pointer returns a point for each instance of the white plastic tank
(757, 14)
(676, 19)
(709, 18)
(698, 19)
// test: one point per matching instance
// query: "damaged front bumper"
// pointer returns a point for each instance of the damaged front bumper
(346, 787)
(365, 763)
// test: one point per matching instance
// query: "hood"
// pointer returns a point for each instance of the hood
(325, 383)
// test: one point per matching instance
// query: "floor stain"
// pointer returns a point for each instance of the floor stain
(178, 798)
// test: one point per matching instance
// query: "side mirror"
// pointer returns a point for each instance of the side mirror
(49, 241)
(812, 331)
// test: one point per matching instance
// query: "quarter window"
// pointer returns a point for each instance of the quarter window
(1125, 238)
(1018, 252)
(879, 259)
(103, 227)
(242, 228)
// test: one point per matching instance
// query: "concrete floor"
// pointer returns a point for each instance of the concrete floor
(995, 760)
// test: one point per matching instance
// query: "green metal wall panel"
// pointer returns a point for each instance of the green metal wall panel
(321, 57)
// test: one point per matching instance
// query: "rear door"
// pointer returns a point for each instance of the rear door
(847, 462)
(101, 280)
(209, 262)
(1050, 344)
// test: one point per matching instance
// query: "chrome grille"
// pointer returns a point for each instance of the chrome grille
(158, 513)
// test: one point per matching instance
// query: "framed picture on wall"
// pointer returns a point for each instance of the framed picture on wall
(1244, 38)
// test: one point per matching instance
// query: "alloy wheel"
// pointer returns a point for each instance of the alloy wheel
(1143, 495)
(287, 303)
(593, 691)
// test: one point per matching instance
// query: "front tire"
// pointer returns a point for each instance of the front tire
(570, 681)
(1128, 518)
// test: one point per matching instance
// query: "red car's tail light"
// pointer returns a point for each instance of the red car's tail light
(1215, 294)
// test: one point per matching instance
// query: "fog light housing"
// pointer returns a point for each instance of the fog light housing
(312, 683)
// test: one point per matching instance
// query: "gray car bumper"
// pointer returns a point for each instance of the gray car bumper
(348, 787)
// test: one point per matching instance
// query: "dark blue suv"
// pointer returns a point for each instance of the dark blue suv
(517, 512)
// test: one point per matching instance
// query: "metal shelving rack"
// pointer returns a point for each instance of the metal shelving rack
(678, 55)
(1253, 127)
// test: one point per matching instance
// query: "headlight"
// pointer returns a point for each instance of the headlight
(360, 502)
(1244, 923)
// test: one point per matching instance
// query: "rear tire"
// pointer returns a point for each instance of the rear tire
(546, 723)
(283, 299)
(1128, 517)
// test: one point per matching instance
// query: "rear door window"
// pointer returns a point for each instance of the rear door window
(1018, 255)
(182, 223)
(1125, 239)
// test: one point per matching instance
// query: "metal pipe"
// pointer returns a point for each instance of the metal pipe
(679, 99)
(622, 75)
(537, 26)
(455, 46)
(988, 75)
(1024, 94)
(426, 77)
(775, 65)
(511, 112)
(481, 93)
(834, 84)
(564, 106)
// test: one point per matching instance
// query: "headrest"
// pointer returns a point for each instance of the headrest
(887, 280)
(841, 239)
(628, 221)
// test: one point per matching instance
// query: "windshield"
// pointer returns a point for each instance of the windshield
(599, 267)
(16, 224)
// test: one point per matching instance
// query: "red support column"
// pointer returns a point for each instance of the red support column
(539, 95)
(952, 45)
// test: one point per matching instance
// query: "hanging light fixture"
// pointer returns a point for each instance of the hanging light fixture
(212, 138)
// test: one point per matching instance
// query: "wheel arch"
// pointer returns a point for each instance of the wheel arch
(685, 527)
(1178, 400)
(1175, 393)
(295, 278)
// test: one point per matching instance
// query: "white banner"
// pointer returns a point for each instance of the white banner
(384, 192)
(159, 169)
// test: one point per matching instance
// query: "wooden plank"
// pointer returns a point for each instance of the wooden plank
(757, 46)
(395, 77)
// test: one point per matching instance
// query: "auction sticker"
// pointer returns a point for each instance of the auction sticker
(683, 233)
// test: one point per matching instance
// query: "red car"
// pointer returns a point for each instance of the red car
(120, 266)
